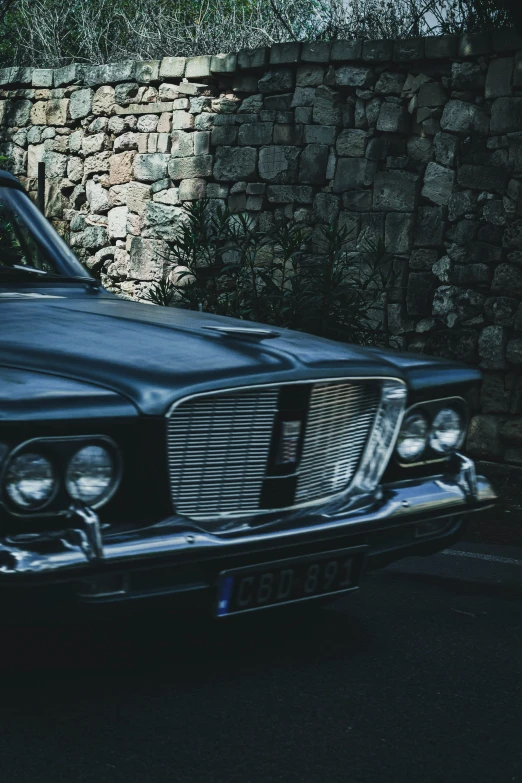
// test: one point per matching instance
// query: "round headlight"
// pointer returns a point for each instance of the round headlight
(91, 475)
(447, 431)
(413, 437)
(29, 481)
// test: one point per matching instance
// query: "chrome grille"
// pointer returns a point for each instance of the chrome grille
(218, 447)
(339, 421)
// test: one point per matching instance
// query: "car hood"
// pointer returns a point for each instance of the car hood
(154, 355)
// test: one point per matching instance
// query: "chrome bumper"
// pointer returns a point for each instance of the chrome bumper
(85, 548)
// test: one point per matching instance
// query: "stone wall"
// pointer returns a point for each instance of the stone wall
(418, 142)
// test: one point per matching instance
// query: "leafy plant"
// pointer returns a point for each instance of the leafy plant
(287, 275)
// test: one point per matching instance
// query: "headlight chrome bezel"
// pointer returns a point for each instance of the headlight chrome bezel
(430, 408)
(60, 451)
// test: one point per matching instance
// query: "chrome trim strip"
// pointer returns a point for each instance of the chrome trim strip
(403, 503)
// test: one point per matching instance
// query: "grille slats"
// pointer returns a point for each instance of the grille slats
(219, 446)
(334, 441)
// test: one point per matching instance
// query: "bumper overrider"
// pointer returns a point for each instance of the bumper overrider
(430, 510)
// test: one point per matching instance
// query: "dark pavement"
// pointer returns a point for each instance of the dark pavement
(415, 678)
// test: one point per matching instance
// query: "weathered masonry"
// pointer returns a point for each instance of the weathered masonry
(418, 142)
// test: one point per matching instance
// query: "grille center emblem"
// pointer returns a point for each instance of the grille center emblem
(290, 437)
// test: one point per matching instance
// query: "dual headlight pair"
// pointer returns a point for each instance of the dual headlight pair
(431, 432)
(78, 470)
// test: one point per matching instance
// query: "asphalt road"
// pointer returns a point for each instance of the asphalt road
(415, 678)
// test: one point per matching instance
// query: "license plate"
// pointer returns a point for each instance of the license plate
(289, 581)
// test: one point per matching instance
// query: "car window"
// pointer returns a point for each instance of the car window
(17, 246)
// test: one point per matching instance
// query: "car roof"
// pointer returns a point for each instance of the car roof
(7, 180)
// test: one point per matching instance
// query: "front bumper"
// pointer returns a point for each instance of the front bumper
(85, 551)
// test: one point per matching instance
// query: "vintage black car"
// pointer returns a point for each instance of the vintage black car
(150, 451)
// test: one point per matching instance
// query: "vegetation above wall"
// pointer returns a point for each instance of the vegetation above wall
(100, 31)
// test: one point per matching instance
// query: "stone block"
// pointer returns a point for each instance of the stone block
(506, 39)
(484, 437)
(190, 168)
(303, 97)
(501, 310)
(347, 50)
(464, 118)
(253, 58)
(147, 123)
(234, 164)
(198, 67)
(93, 144)
(35, 153)
(492, 348)
(121, 167)
(150, 167)
(277, 81)
(117, 225)
(303, 115)
(429, 227)
(311, 75)
(514, 355)
(192, 189)
(484, 253)
(91, 238)
(390, 83)
(223, 135)
(320, 134)
(395, 191)
(472, 275)
(393, 118)
(278, 102)
(18, 112)
(127, 141)
(191, 88)
(407, 49)
(147, 71)
(122, 71)
(473, 44)
(327, 106)
(432, 94)
(326, 208)
(419, 295)
(223, 63)
(499, 81)
(467, 76)
(377, 51)
(42, 77)
(103, 100)
(68, 74)
(420, 150)
(512, 237)
(288, 52)
(484, 178)
(351, 143)
(441, 47)
(137, 196)
(37, 115)
(507, 280)
(93, 75)
(286, 194)
(506, 115)
(312, 165)
(357, 200)
(316, 51)
(181, 120)
(445, 147)
(55, 164)
(80, 103)
(288, 134)
(350, 174)
(423, 259)
(172, 67)
(279, 164)
(438, 184)
(148, 259)
(255, 134)
(517, 75)
(399, 232)
(354, 76)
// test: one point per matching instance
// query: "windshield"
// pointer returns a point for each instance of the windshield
(28, 244)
